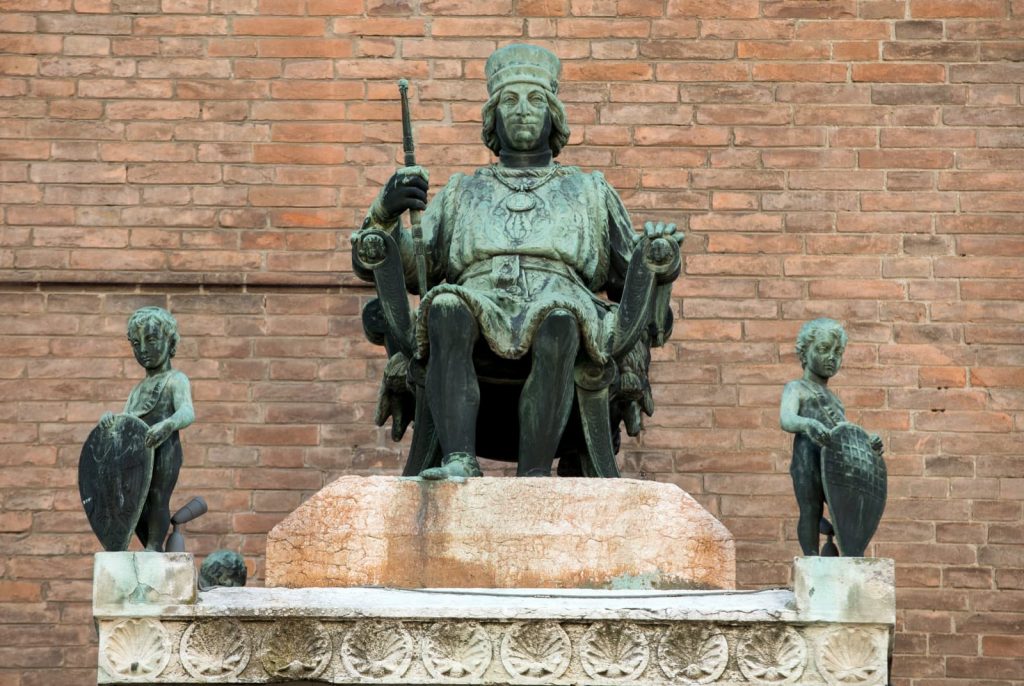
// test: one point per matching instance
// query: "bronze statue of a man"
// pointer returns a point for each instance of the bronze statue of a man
(515, 255)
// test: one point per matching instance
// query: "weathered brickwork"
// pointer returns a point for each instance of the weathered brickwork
(862, 159)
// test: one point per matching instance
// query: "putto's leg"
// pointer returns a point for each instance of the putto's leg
(547, 395)
(156, 513)
(810, 495)
(452, 389)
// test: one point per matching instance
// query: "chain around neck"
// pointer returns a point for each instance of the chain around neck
(524, 182)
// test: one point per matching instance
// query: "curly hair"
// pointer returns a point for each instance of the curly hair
(559, 124)
(810, 332)
(168, 324)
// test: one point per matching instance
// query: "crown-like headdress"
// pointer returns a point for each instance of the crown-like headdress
(522, 63)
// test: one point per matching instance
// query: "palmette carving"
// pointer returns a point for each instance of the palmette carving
(772, 655)
(377, 650)
(135, 649)
(617, 652)
(536, 650)
(215, 650)
(296, 649)
(850, 657)
(693, 654)
(454, 650)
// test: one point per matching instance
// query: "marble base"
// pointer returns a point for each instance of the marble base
(519, 636)
(491, 532)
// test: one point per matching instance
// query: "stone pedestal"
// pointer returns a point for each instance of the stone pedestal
(501, 533)
(517, 636)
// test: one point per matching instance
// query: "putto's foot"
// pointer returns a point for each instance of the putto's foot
(455, 465)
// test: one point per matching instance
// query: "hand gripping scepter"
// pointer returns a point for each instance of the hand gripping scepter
(414, 215)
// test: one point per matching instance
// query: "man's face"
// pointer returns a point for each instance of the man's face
(151, 346)
(523, 117)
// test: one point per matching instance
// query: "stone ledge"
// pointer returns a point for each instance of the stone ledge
(490, 636)
(642, 640)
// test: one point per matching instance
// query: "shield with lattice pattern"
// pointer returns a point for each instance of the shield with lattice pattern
(854, 477)
(114, 472)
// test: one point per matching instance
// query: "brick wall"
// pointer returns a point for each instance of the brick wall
(856, 159)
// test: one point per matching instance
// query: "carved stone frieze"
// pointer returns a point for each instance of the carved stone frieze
(296, 649)
(135, 649)
(850, 657)
(215, 650)
(471, 650)
(772, 655)
(377, 650)
(454, 650)
(693, 654)
(617, 652)
(536, 651)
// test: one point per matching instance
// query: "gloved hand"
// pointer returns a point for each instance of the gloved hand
(405, 190)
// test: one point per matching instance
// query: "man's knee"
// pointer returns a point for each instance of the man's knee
(559, 330)
(450, 317)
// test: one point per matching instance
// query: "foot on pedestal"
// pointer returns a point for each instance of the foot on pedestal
(454, 465)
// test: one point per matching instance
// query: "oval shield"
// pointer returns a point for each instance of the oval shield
(855, 481)
(114, 471)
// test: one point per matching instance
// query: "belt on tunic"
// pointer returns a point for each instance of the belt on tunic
(506, 269)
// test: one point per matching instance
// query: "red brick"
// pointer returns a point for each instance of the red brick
(898, 73)
(955, 9)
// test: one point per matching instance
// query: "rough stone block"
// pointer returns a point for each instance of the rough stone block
(845, 589)
(137, 579)
(501, 533)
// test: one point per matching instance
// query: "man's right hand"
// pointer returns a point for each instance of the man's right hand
(405, 190)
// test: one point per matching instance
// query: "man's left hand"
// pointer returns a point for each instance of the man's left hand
(663, 230)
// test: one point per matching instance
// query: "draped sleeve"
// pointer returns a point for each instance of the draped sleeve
(621, 239)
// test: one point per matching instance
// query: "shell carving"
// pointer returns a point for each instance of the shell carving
(693, 654)
(296, 649)
(215, 650)
(377, 650)
(772, 655)
(848, 657)
(135, 649)
(454, 650)
(536, 650)
(617, 652)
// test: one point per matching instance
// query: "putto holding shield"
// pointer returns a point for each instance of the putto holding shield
(834, 461)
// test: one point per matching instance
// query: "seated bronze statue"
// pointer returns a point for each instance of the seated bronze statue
(510, 263)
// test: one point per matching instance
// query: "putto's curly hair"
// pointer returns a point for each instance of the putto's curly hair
(812, 330)
(162, 317)
(559, 124)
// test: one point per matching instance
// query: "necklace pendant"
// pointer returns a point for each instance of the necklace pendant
(520, 202)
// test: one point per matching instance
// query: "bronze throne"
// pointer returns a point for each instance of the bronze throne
(606, 395)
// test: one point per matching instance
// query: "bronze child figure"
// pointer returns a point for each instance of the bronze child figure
(834, 461)
(163, 400)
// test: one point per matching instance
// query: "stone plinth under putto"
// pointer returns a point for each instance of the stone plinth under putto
(501, 533)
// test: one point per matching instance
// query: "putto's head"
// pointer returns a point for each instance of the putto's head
(145, 326)
(523, 79)
(818, 331)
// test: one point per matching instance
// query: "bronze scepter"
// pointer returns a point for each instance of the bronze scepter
(414, 215)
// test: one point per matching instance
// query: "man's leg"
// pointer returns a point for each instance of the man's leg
(453, 393)
(547, 395)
